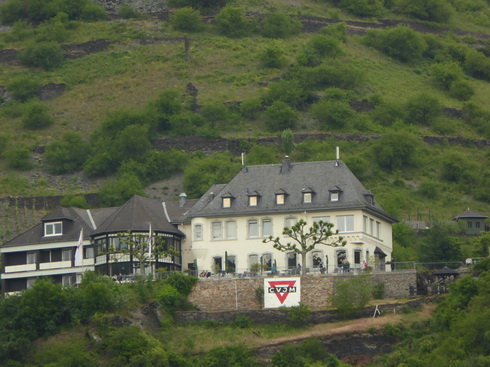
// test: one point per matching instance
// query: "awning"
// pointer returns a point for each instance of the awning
(379, 252)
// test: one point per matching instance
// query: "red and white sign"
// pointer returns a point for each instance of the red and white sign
(282, 292)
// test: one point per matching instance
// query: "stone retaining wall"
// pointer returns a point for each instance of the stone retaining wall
(222, 294)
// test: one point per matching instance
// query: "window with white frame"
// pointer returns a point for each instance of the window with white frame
(334, 196)
(253, 259)
(266, 227)
(66, 254)
(378, 229)
(226, 202)
(67, 280)
(230, 229)
(289, 222)
(252, 200)
(53, 229)
(364, 223)
(216, 230)
(198, 233)
(267, 261)
(345, 223)
(253, 228)
(371, 226)
(307, 197)
(31, 258)
(280, 198)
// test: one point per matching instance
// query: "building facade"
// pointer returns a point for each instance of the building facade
(228, 224)
(222, 232)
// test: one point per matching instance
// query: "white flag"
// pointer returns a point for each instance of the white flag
(79, 251)
(149, 242)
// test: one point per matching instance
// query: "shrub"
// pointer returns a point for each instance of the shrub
(67, 154)
(36, 116)
(461, 90)
(236, 356)
(303, 354)
(279, 25)
(352, 295)
(279, 116)
(401, 43)
(363, 8)
(55, 29)
(126, 11)
(76, 201)
(19, 158)
(46, 55)
(171, 300)
(217, 114)
(131, 143)
(337, 30)
(231, 22)
(387, 114)
(432, 10)
(187, 20)
(200, 4)
(298, 315)
(188, 124)
(272, 57)
(423, 109)
(181, 282)
(477, 65)
(397, 150)
(23, 88)
(250, 108)
(333, 114)
(117, 192)
(99, 165)
(287, 91)
(243, 322)
(445, 74)
(334, 74)
(378, 290)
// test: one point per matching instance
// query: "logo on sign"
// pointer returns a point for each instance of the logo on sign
(282, 289)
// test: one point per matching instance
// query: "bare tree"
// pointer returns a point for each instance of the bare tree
(305, 239)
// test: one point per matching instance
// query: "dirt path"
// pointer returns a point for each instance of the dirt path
(348, 327)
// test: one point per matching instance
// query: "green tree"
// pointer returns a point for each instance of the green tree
(401, 43)
(186, 19)
(397, 150)
(440, 244)
(423, 109)
(333, 114)
(67, 154)
(279, 116)
(204, 171)
(287, 141)
(117, 192)
(304, 239)
(363, 8)
(231, 22)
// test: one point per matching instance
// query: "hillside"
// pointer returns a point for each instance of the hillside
(121, 82)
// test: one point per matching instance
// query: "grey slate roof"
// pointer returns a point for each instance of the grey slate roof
(136, 215)
(291, 178)
(470, 214)
(72, 224)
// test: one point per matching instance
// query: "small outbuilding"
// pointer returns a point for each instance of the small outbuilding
(473, 222)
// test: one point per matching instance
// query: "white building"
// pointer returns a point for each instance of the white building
(231, 220)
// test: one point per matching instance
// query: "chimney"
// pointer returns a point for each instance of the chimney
(286, 165)
(182, 198)
(243, 159)
(337, 154)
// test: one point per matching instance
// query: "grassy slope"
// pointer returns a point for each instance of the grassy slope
(129, 75)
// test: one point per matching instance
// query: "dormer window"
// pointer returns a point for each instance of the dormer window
(307, 195)
(369, 197)
(253, 198)
(53, 229)
(281, 197)
(226, 200)
(335, 193)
